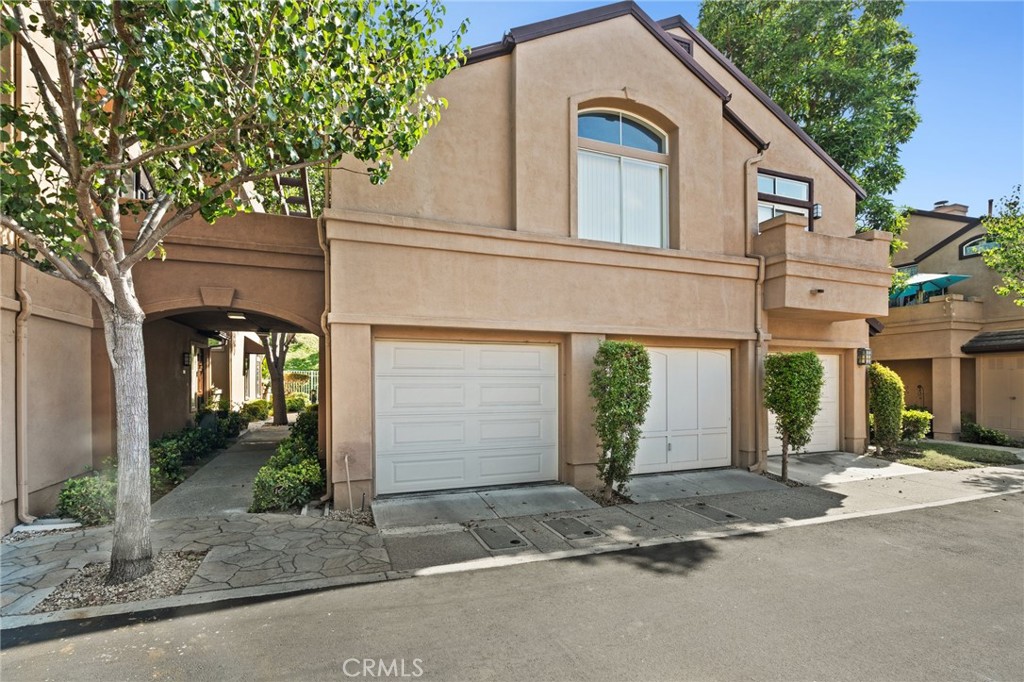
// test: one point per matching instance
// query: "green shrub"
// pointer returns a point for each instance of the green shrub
(90, 500)
(166, 465)
(306, 431)
(886, 404)
(792, 391)
(289, 452)
(621, 386)
(232, 423)
(223, 407)
(256, 410)
(916, 423)
(296, 402)
(971, 432)
(288, 487)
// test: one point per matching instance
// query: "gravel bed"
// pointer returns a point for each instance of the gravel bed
(171, 573)
(359, 517)
(28, 535)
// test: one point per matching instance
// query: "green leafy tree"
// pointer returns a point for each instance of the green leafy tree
(843, 70)
(621, 387)
(1006, 228)
(886, 400)
(792, 391)
(303, 353)
(207, 98)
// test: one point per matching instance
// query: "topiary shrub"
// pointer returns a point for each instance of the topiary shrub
(916, 423)
(90, 500)
(281, 489)
(792, 391)
(886, 403)
(296, 402)
(621, 386)
(256, 410)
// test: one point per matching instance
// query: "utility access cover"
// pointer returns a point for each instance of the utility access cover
(713, 513)
(572, 529)
(500, 537)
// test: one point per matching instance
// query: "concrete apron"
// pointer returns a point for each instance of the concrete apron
(472, 545)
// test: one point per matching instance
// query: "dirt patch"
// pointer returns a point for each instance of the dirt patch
(171, 573)
(597, 495)
(778, 479)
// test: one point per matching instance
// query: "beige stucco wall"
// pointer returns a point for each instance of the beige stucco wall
(169, 387)
(59, 436)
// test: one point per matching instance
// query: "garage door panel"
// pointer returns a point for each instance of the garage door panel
(689, 423)
(825, 436)
(427, 394)
(484, 415)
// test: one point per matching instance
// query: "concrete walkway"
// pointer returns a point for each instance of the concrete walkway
(254, 555)
(224, 485)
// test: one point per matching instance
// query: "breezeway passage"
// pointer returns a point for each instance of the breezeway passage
(460, 415)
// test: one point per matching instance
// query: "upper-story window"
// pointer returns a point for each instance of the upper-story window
(779, 193)
(622, 172)
(976, 246)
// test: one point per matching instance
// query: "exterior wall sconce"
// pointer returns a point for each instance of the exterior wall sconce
(863, 356)
(186, 362)
(816, 211)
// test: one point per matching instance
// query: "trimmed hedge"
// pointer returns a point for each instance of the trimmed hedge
(256, 410)
(971, 432)
(886, 405)
(916, 423)
(292, 476)
(621, 386)
(296, 402)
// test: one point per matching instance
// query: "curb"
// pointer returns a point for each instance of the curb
(176, 605)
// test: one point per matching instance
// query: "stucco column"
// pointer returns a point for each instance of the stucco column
(351, 412)
(579, 442)
(853, 403)
(946, 398)
(236, 369)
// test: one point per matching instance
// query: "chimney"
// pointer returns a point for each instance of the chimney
(952, 209)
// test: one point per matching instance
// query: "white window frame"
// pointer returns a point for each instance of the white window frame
(633, 155)
(979, 244)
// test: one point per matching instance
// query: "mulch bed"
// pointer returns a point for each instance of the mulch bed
(598, 496)
(778, 479)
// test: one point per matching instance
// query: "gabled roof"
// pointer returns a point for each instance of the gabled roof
(759, 94)
(971, 224)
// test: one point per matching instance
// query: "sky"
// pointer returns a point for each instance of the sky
(969, 145)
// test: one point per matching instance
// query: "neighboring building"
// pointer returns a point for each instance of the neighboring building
(959, 350)
(596, 176)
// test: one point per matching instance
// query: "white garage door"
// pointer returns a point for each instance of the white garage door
(460, 415)
(689, 421)
(826, 425)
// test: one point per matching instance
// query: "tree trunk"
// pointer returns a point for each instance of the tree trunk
(132, 554)
(785, 460)
(275, 345)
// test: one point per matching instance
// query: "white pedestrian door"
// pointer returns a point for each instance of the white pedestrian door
(459, 415)
(689, 421)
(825, 437)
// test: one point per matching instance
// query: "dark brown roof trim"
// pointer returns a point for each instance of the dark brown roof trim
(679, 22)
(744, 129)
(935, 247)
(942, 216)
(550, 27)
(875, 326)
(1007, 341)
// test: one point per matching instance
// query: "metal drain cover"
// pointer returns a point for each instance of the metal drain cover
(500, 537)
(714, 513)
(572, 529)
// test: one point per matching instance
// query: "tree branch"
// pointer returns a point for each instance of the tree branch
(74, 269)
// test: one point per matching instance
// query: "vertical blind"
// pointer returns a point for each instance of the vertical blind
(621, 200)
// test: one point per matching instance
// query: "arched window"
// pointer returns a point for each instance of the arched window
(622, 171)
(976, 246)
